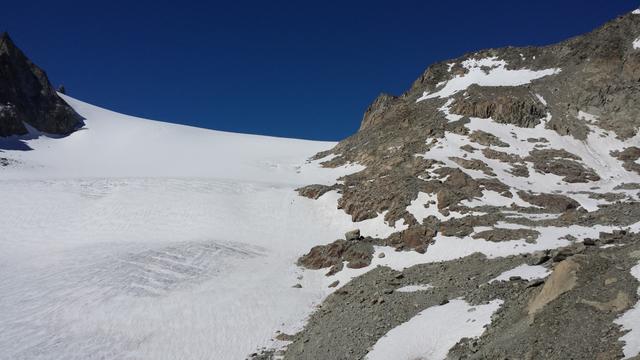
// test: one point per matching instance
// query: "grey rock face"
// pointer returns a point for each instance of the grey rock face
(26, 96)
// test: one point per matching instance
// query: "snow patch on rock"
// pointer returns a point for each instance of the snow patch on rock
(487, 72)
(414, 288)
(435, 330)
(527, 272)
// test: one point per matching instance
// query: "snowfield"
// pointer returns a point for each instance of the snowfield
(139, 239)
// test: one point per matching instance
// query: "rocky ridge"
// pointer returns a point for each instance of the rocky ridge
(495, 161)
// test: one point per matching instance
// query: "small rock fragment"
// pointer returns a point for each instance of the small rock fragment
(352, 235)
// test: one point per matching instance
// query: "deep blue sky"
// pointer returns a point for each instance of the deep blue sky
(305, 69)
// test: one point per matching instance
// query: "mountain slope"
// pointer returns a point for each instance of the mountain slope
(516, 161)
(497, 203)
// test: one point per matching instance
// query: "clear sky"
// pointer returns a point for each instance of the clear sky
(305, 69)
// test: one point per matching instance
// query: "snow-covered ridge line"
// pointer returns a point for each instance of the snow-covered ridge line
(487, 72)
(117, 145)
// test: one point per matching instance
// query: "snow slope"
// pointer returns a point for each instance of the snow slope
(139, 239)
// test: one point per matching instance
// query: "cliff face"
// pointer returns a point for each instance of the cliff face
(27, 97)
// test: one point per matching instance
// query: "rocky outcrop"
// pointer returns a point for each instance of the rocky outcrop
(629, 156)
(562, 163)
(356, 254)
(551, 202)
(504, 105)
(378, 111)
(27, 97)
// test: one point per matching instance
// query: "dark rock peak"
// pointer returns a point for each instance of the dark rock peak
(27, 96)
(376, 110)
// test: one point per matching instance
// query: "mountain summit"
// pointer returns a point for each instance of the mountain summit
(27, 97)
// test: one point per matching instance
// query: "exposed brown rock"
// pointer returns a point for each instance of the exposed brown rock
(504, 105)
(314, 191)
(628, 157)
(551, 202)
(357, 254)
(486, 139)
(561, 163)
(473, 164)
(500, 234)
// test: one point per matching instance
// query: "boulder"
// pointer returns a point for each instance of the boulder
(352, 235)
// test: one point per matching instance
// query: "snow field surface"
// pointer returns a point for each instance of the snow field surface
(435, 330)
(135, 239)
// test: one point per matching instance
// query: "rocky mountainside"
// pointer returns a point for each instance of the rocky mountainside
(511, 176)
(27, 97)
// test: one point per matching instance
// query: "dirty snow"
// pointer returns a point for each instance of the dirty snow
(435, 330)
